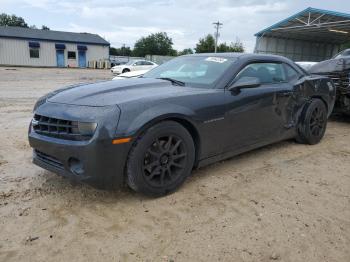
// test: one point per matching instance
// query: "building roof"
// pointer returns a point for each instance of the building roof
(313, 24)
(50, 35)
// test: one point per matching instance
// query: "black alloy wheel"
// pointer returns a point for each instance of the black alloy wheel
(313, 123)
(164, 161)
(161, 159)
(317, 121)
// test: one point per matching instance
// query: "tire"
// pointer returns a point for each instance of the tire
(161, 159)
(313, 124)
(125, 70)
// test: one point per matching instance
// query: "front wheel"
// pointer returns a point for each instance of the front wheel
(313, 123)
(161, 159)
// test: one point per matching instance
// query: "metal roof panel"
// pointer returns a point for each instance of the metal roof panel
(51, 35)
(290, 19)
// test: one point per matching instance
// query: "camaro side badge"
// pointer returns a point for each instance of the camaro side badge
(213, 120)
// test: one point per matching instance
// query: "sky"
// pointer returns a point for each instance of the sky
(123, 22)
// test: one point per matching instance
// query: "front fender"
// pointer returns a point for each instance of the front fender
(132, 122)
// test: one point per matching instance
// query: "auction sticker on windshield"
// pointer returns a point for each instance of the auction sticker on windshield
(216, 59)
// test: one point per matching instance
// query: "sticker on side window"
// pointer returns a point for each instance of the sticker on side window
(216, 59)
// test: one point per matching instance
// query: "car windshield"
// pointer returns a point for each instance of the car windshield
(196, 71)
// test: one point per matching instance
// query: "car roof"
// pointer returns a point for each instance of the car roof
(244, 56)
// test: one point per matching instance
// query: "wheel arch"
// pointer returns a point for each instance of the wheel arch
(323, 100)
(182, 120)
(308, 101)
(303, 109)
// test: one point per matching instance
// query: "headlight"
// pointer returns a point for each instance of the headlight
(84, 128)
(87, 129)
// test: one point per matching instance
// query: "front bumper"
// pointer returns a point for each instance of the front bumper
(96, 161)
(116, 71)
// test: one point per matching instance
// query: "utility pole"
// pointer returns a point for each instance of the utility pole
(217, 26)
(123, 49)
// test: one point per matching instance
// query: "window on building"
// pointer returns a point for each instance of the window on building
(71, 55)
(34, 52)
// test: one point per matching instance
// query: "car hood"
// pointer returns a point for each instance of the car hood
(117, 92)
(331, 65)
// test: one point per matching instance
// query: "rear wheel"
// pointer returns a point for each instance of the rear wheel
(161, 159)
(313, 123)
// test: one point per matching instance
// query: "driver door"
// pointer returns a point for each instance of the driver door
(138, 66)
(147, 65)
(253, 114)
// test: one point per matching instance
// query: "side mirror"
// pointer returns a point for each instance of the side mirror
(245, 82)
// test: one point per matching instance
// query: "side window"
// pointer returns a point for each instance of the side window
(34, 53)
(291, 73)
(71, 55)
(34, 49)
(267, 73)
(138, 63)
(147, 63)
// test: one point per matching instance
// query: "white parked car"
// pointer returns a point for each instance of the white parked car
(132, 74)
(133, 65)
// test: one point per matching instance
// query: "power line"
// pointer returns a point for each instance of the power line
(217, 26)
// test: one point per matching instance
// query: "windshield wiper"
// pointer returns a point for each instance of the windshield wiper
(173, 81)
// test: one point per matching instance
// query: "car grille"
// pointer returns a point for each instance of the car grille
(58, 128)
(49, 159)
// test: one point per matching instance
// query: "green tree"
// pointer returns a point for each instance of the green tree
(154, 44)
(44, 27)
(345, 46)
(12, 20)
(113, 51)
(123, 51)
(237, 47)
(233, 47)
(205, 45)
(186, 51)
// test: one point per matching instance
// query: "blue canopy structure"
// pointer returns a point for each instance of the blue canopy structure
(310, 35)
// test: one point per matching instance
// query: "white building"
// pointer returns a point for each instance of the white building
(34, 47)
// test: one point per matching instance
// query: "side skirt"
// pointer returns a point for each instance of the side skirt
(230, 154)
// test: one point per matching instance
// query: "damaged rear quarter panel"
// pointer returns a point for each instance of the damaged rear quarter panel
(313, 86)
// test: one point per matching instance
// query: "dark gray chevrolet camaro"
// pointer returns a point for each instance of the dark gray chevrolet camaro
(150, 132)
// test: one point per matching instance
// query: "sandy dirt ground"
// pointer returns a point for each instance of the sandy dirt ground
(284, 202)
